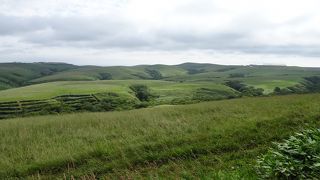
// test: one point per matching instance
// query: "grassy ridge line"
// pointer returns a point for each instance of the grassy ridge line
(184, 72)
(19, 74)
(185, 141)
(267, 77)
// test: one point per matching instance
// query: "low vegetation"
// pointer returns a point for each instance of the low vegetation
(212, 140)
(296, 158)
(142, 92)
(69, 103)
(244, 89)
(309, 85)
(126, 95)
(215, 140)
(266, 77)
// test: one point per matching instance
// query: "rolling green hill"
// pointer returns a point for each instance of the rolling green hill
(267, 77)
(45, 98)
(165, 90)
(58, 88)
(215, 140)
(212, 140)
(19, 74)
(115, 73)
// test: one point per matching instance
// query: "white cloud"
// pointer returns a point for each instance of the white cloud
(131, 32)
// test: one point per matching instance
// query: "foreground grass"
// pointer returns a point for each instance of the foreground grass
(214, 140)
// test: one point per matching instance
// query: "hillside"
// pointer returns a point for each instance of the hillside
(19, 74)
(216, 140)
(115, 73)
(266, 77)
(51, 88)
(107, 95)
(166, 90)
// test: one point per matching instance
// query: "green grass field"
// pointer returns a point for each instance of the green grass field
(215, 140)
(165, 89)
(209, 140)
(267, 77)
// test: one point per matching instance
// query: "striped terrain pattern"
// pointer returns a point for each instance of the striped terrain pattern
(29, 107)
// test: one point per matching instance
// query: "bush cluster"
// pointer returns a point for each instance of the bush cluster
(244, 89)
(142, 92)
(206, 94)
(154, 74)
(309, 85)
(296, 158)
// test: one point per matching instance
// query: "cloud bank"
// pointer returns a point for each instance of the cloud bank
(128, 32)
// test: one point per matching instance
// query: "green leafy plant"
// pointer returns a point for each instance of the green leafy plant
(296, 158)
(142, 92)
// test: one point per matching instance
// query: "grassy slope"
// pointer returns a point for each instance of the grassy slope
(117, 72)
(215, 139)
(267, 77)
(18, 74)
(165, 89)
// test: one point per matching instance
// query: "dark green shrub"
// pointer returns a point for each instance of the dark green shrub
(236, 85)
(244, 89)
(282, 91)
(206, 94)
(156, 75)
(237, 75)
(295, 158)
(142, 92)
(277, 90)
(105, 76)
(296, 89)
(299, 89)
(312, 83)
(251, 91)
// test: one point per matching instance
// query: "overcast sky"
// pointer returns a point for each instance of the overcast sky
(129, 32)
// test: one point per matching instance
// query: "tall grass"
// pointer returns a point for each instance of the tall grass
(211, 140)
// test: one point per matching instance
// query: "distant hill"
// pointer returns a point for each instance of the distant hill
(264, 76)
(19, 74)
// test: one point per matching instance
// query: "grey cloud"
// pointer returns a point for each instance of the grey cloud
(11, 25)
(307, 51)
(107, 32)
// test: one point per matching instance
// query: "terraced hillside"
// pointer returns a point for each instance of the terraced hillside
(34, 107)
(212, 140)
(166, 90)
(73, 96)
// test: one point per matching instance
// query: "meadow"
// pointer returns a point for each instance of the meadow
(216, 140)
(167, 90)
(268, 77)
(151, 132)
